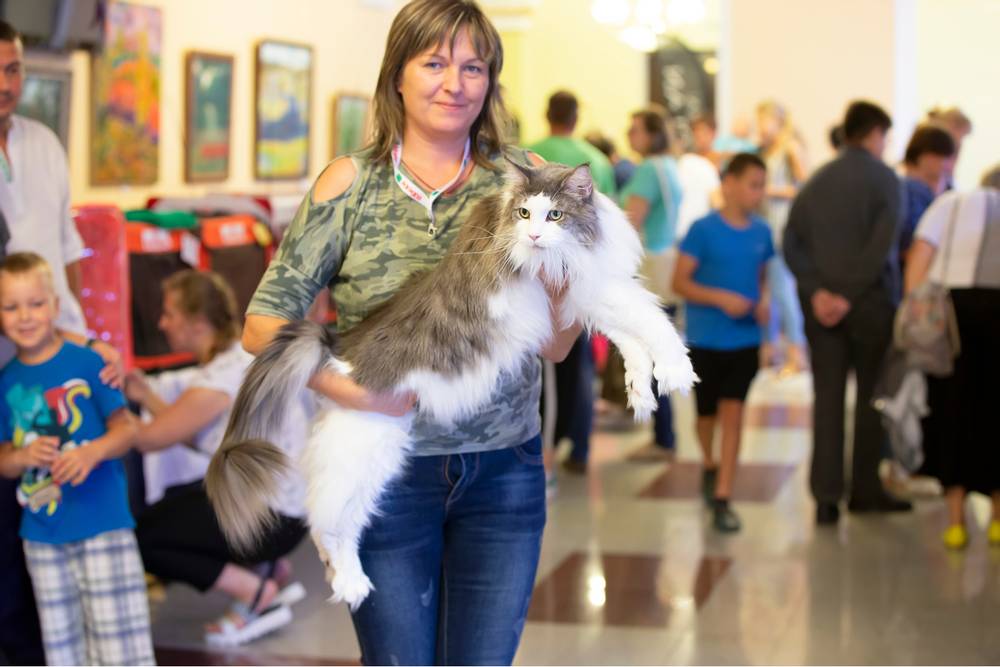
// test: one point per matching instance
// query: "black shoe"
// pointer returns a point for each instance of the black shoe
(709, 476)
(575, 467)
(724, 519)
(879, 505)
(827, 514)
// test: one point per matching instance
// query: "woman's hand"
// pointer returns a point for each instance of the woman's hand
(113, 372)
(137, 388)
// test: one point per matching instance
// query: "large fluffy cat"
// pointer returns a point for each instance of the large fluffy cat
(448, 335)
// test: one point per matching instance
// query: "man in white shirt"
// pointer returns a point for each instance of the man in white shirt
(34, 188)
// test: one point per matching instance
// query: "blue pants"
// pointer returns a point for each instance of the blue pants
(663, 418)
(575, 398)
(453, 555)
(786, 311)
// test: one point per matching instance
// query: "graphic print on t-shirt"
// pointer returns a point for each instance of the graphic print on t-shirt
(38, 413)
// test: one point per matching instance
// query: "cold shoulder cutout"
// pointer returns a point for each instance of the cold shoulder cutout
(336, 179)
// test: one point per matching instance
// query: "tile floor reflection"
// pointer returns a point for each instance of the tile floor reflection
(632, 574)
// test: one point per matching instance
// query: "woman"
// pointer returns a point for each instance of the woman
(957, 243)
(783, 152)
(178, 536)
(454, 551)
(652, 200)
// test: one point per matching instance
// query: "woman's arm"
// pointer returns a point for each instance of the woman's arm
(918, 264)
(181, 421)
(636, 210)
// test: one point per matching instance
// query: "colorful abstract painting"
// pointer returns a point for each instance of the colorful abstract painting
(208, 117)
(125, 135)
(284, 73)
(350, 124)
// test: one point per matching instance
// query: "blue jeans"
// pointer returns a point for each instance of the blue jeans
(663, 418)
(786, 312)
(453, 555)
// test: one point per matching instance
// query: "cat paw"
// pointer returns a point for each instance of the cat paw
(642, 401)
(678, 376)
(350, 587)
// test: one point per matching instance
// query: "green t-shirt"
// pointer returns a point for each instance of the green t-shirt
(573, 152)
(660, 226)
(364, 245)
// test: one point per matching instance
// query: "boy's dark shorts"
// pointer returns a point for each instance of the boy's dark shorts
(725, 375)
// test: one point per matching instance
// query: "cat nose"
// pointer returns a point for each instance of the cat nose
(534, 237)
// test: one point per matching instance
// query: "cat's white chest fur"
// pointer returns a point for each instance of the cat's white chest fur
(522, 325)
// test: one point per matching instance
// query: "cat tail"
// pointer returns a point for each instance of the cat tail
(243, 477)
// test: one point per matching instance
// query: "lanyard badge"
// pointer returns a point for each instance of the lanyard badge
(414, 192)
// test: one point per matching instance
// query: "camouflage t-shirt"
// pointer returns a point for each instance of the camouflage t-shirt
(365, 244)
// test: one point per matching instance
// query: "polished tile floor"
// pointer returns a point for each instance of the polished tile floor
(631, 573)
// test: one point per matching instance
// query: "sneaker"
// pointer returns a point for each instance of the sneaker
(724, 519)
(993, 533)
(955, 537)
(709, 476)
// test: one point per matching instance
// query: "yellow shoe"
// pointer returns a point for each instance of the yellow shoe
(994, 533)
(956, 537)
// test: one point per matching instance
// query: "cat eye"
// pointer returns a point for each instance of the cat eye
(523, 213)
(554, 216)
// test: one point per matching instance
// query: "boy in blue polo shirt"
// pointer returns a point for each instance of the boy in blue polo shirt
(64, 433)
(720, 273)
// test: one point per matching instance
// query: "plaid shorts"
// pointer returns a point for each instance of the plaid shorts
(91, 599)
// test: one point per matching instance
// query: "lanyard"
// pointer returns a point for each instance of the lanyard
(413, 191)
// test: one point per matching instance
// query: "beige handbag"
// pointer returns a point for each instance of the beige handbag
(658, 268)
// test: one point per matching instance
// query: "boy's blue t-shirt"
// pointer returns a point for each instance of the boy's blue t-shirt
(732, 259)
(65, 397)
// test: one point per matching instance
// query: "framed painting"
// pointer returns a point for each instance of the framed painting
(45, 96)
(349, 130)
(283, 99)
(125, 117)
(208, 116)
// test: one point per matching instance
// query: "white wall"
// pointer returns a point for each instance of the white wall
(958, 62)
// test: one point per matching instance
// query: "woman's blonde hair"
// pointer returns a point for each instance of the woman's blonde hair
(991, 178)
(424, 24)
(787, 132)
(205, 294)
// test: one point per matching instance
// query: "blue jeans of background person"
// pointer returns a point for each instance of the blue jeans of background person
(786, 311)
(453, 555)
(663, 418)
(575, 398)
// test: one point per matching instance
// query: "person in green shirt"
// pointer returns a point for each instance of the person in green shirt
(562, 147)
(574, 400)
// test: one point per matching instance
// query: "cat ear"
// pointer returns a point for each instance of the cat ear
(516, 173)
(580, 182)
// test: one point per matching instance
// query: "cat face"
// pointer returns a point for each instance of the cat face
(552, 217)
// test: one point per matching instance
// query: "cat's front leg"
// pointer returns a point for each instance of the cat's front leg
(629, 306)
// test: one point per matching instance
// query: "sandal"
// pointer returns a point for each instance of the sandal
(241, 625)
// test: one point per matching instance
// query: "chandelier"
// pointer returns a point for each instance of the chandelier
(641, 23)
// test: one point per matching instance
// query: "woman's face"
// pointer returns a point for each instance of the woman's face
(444, 89)
(638, 138)
(767, 127)
(178, 328)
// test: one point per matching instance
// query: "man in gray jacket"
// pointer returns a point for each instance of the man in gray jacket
(840, 242)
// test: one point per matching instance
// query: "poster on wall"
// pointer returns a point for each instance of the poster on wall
(284, 73)
(683, 82)
(45, 96)
(349, 131)
(208, 116)
(125, 118)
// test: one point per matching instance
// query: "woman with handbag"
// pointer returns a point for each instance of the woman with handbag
(957, 247)
(652, 199)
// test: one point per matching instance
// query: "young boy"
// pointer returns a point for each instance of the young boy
(64, 431)
(720, 274)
